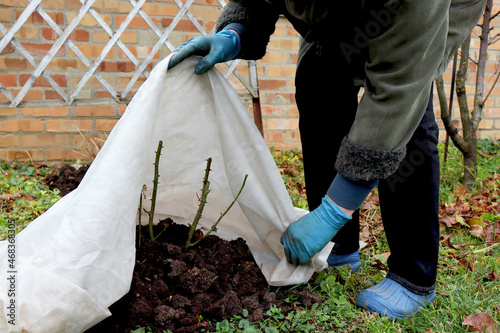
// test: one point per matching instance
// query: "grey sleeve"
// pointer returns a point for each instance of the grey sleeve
(402, 63)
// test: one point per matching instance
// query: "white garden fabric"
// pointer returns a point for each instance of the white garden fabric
(77, 259)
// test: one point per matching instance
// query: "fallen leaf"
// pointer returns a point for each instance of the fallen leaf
(460, 191)
(461, 220)
(28, 197)
(10, 196)
(492, 276)
(386, 255)
(464, 262)
(476, 231)
(446, 240)
(448, 221)
(492, 233)
(476, 221)
(480, 322)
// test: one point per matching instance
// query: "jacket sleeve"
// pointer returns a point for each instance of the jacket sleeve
(259, 19)
(402, 62)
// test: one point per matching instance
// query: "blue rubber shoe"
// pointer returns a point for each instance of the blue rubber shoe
(352, 260)
(390, 299)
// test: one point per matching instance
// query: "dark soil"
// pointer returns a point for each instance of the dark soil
(66, 179)
(185, 290)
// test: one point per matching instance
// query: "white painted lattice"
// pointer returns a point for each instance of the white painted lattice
(70, 97)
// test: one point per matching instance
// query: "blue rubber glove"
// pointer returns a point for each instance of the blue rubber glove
(221, 47)
(311, 233)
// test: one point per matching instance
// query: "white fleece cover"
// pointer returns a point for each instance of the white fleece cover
(77, 259)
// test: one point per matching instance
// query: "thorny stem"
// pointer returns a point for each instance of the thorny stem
(140, 213)
(214, 226)
(151, 213)
(203, 200)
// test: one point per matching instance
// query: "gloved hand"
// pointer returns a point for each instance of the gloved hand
(221, 47)
(310, 234)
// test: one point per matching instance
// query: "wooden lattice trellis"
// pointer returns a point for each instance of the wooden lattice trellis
(71, 98)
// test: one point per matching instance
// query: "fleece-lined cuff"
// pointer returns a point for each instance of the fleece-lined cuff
(363, 164)
(348, 194)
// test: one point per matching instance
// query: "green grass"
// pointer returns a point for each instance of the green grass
(466, 282)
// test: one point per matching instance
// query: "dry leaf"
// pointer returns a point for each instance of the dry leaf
(492, 233)
(492, 276)
(476, 221)
(476, 231)
(467, 264)
(448, 221)
(480, 322)
(460, 191)
(386, 255)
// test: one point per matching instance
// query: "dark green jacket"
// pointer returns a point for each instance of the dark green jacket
(401, 46)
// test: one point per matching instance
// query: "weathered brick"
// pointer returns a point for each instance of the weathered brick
(34, 94)
(18, 125)
(27, 32)
(103, 110)
(44, 140)
(156, 9)
(121, 109)
(274, 137)
(140, 52)
(87, 140)
(279, 98)
(93, 51)
(9, 141)
(281, 70)
(274, 57)
(486, 124)
(492, 113)
(182, 25)
(9, 112)
(22, 155)
(53, 4)
(80, 35)
(136, 23)
(208, 13)
(63, 64)
(69, 125)
(88, 20)
(8, 49)
(46, 111)
(102, 94)
(8, 80)
(6, 15)
(268, 110)
(52, 94)
(65, 154)
(15, 64)
(49, 34)
(282, 124)
(105, 125)
(272, 85)
(292, 137)
(41, 48)
(42, 82)
(293, 111)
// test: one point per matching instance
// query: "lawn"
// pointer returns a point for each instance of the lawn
(468, 286)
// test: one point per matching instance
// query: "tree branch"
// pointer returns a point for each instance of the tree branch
(446, 116)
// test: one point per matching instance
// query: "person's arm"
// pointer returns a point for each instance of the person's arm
(402, 62)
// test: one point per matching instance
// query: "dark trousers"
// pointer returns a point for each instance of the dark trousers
(327, 102)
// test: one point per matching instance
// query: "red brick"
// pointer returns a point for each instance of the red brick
(492, 113)
(49, 34)
(65, 154)
(22, 155)
(69, 125)
(108, 66)
(8, 80)
(9, 112)
(105, 125)
(80, 35)
(18, 125)
(46, 111)
(33, 94)
(136, 22)
(8, 49)
(278, 98)
(102, 94)
(271, 84)
(125, 67)
(140, 52)
(9, 141)
(121, 109)
(41, 48)
(14, 63)
(273, 137)
(93, 51)
(87, 140)
(104, 110)
(42, 140)
(52, 94)
(182, 25)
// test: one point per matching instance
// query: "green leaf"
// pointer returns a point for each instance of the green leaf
(476, 221)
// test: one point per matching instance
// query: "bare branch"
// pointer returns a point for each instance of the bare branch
(446, 116)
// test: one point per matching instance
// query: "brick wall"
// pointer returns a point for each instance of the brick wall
(44, 128)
